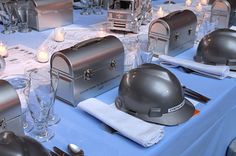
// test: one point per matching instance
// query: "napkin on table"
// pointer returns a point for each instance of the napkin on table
(144, 133)
(219, 72)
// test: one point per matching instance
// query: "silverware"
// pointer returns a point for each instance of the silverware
(53, 153)
(195, 95)
(60, 152)
(75, 150)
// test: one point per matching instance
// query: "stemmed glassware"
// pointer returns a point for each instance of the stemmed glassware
(8, 15)
(97, 8)
(145, 55)
(20, 82)
(41, 97)
(87, 7)
(131, 52)
(91, 6)
(23, 15)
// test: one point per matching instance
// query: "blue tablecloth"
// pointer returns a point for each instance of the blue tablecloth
(206, 134)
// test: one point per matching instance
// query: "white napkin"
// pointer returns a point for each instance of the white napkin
(219, 72)
(144, 133)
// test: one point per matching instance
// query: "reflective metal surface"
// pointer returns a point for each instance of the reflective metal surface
(10, 109)
(88, 69)
(220, 12)
(218, 48)
(153, 94)
(45, 14)
(173, 33)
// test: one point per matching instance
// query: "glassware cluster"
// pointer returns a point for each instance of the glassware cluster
(91, 6)
(14, 16)
(40, 97)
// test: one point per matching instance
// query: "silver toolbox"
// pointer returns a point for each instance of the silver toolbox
(220, 12)
(46, 14)
(88, 69)
(172, 34)
(10, 109)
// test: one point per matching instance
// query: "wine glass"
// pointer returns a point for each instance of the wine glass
(131, 52)
(23, 14)
(144, 54)
(8, 15)
(97, 8)
(87, 7)
(41, 96)
(20, 82)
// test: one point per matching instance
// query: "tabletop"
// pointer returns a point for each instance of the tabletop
(206, 134)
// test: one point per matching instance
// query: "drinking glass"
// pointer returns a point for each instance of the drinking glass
(20, 82)
(53, 118)
(131, 52)
(144, 54)
(97, 8)
(87, 7)
(41, 96)
(23, 14)
(8, 15)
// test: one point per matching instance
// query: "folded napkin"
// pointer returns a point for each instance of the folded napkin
(219, 72)
(144, 133)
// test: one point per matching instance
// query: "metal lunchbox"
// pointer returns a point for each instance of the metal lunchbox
(88, 69)
(232, 20)
(172, 34)
(220, 12)
(10, 109)
(46, 14)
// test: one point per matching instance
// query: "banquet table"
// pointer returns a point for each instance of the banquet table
(207, 134)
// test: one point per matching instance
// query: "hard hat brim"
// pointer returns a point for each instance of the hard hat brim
(172, 118)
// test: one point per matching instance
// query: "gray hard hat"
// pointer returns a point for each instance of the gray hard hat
(13, 145)
(152, 93)
(218, 48)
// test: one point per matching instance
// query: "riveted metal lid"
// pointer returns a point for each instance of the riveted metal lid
(177, 19)
(173, 21)
(221, 6)
(41, 3)
(10, 106)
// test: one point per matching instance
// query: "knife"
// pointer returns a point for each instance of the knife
(195, 95)
(60, 152)
(53, 153)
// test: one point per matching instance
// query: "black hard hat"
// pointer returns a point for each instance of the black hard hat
(12, 145)
(218, 48)
(152, 93)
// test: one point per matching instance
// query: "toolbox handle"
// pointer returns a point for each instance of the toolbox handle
(86, 42)
(174, 13)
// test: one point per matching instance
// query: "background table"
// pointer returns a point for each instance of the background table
(206, 134)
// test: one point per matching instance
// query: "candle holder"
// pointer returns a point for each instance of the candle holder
(59, 35)
(188, 3)
(3, 50)
(160, 13)
(42, 55)
(204, 2)
(198, 7)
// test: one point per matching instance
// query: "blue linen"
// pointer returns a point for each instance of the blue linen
(206, 134)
